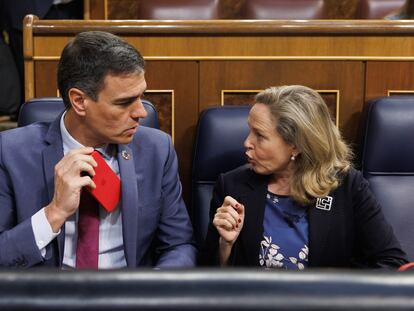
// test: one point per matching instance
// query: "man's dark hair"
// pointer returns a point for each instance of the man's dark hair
(90, 57)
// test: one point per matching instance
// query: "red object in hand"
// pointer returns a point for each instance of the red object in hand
(108, 184)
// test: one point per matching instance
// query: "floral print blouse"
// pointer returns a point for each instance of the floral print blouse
(285, 234)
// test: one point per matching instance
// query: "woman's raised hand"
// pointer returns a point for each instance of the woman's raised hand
(229, 219)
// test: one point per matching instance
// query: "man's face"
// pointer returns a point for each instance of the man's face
(113, 118)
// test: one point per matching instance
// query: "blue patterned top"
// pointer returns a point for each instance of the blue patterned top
(285, 234)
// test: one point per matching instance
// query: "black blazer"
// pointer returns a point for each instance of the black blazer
(352, 233)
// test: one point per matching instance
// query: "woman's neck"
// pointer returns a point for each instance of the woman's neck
(279, 184)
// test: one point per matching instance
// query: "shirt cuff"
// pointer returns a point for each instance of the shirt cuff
(42, 231)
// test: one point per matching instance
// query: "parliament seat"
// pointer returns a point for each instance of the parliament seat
(283, 9)
(46, 109)
(221, 132)
(179, 9)
(388, 162)
(377, 9)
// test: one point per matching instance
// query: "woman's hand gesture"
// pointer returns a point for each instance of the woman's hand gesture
(229, 219)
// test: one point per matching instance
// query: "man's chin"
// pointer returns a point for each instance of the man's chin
(126, 140)
(122, 140)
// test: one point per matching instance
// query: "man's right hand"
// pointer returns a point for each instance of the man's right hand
(72, 173)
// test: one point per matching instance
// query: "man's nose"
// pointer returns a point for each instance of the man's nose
(138, 110)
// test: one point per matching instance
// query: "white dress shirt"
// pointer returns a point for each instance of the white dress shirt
(111, 244)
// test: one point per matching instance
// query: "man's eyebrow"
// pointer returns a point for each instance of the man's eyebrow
(128, 99)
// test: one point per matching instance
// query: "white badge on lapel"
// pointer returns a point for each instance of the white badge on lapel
(324, 203)
(125, 155)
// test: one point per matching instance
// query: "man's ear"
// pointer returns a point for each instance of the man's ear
(78, 101)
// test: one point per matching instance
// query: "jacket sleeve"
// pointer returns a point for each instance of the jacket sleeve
(209, 255)
(17, 242)
(376, 243)
(175, 244)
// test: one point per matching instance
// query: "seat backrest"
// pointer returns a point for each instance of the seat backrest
(46, 109)
(221, 132)
(179, 9)
(388, 162)
(377, 9)
(283, 9)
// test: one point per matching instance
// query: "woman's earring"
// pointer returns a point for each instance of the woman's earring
(293, 158)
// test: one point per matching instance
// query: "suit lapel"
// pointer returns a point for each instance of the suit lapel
(254, 200)
(319, 229)
(129, 203)
(52, 154)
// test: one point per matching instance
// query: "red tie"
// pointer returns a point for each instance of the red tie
(87, 248)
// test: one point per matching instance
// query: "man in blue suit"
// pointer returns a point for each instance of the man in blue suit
(43, 168)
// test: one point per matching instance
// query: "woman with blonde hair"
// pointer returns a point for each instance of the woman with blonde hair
(298, 203)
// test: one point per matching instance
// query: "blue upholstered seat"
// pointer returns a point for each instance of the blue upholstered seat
(388, 162)
(218, 148)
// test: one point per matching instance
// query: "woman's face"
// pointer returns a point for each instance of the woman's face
(266, 150)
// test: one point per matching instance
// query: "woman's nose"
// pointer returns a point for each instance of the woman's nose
(247, 142)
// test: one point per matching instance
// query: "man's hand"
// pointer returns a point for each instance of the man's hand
(72, 173)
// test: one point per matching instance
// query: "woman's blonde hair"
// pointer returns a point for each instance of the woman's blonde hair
(303, 120)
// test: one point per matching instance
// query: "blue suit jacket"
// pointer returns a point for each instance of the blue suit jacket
(156, 226)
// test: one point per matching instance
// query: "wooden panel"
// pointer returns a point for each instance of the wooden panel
(123, 9)
(97, 9)
(271, 47)
(226, 39)
(329, 28)
(182, 77)
(237, 97)
(246, 97)
(274, 46)
(346, 77)
(383, 77)
(46, 81)
(332, 100)
(163, 100)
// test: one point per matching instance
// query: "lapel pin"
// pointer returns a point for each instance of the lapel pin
(125, 155)
(325, 203)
